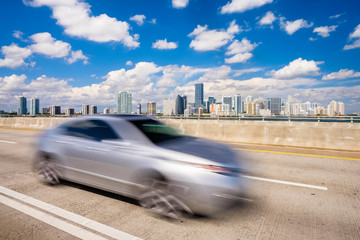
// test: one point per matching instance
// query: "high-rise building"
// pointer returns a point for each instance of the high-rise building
(106, 111)
(169, 106)
(69, 112)
(34, 106)
(22, 109)
(85, 109)
(151, 108)
(199, 95)
(341, 108)
(180, 104)
(92, 110)
(238, 107)
(250, 108)
(138, 109)
(227, 101)
(55, 110)
(124, 103)
(275, 105)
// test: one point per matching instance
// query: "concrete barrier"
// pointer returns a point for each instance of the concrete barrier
(326, 135)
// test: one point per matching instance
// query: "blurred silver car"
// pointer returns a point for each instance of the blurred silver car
(141, 158)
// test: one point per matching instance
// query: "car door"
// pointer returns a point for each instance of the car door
(98, 156)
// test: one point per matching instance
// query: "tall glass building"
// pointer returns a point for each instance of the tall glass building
(275, 105)
(22, 109)
(238, 106)
(34, 106)
(124, 103)
(199, 95)
(180, 104)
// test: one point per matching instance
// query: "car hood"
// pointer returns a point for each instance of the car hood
(213, 151)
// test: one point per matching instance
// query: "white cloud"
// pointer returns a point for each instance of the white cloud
(49, 46)
(180, 3)
(342, 74)
(292, 26)
(354, 35)
(153, 21)
(239, 58)
(324, 30)
(268, 19)
(297, 68)
(75, 16)
(129, 63)
(18, 34)
(208, 40)
(14, 56)
(243, 5)
(241, 47)
(139, 19)
(77, 55)
(336, 16)
(164, 44)
(238, 73)
(240, 50)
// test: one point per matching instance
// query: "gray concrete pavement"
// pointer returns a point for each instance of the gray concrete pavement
(278, 211)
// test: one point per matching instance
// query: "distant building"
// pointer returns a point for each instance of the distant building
(124, 103)
(341, 108)
(22, 109)
(55, 110)
(151, 108)
(275, 105)
(69, 112)
(92, 110)
(169, 106)
(138, 109)
(45, 110)
(227, 103)
(85, 109)
(106, 111)
(199, 95)
(250, 108)
(34, 106)
(238, 107)
(180, 104)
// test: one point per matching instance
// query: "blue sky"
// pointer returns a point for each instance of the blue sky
(73, 52)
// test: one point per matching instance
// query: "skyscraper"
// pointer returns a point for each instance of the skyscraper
(180, 105)
(199, 95)
(22, 109)
(124, 103)
(169, 106)
(55, 110)
(151, 108)
(226, 101)
(85, 109)
(34, 106)
(238, 104)
(92, 110)
(275, 105)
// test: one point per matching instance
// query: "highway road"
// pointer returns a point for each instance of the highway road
(293, 193)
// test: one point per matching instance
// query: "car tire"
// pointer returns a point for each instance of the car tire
(47, 170)
(158, 197)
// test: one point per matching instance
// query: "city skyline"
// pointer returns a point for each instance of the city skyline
(270, 49)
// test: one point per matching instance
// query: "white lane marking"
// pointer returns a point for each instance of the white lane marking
(48, 219)
(3, 141)
(83, 221)
(286, 182)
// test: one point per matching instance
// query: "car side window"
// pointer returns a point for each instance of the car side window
(97, 130)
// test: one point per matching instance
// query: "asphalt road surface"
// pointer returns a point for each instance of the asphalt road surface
(293, 193)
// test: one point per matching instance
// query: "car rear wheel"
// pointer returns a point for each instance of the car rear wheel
(159, 197)
(47, 170)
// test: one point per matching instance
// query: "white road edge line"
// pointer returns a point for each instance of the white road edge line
(3, 141)
(83, 221)
(48, 219)
(286, 182)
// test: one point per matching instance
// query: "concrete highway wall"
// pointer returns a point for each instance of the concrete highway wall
(343, 136)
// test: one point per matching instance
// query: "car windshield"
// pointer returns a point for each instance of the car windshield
(156, 131)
